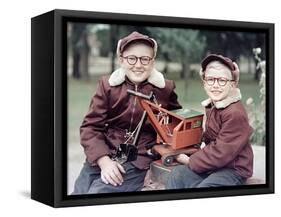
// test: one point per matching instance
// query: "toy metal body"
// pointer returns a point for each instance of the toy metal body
(178, 131)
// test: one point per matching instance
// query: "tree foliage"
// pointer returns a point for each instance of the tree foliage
(185, 46)
(181, 45)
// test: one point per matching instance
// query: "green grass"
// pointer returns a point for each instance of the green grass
(80, 92)
(79, 96)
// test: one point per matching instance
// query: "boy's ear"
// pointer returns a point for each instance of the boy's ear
(234, 84)
(153, 62)
(202, 81)
(201, 73)
(236, 72)
(120, 59)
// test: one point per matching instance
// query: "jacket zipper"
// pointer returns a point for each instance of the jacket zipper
(133, 109)
(208, 118)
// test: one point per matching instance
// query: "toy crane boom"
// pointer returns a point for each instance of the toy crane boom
(178, 131)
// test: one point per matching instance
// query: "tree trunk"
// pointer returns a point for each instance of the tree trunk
(257, 71)
(185, 73)
(182, 73)
(79, 44)
(114, 34)
(76, 60)
(166, 63)
(84, 62)
(166, 67)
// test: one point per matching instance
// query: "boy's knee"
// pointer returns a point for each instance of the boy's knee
(224, 177)
(179, 170)
(176, 177)
(85, 178)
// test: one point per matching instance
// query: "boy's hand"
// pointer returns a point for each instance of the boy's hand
(183, 159)
(111, 171)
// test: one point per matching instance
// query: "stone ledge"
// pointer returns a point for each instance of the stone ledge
(255, 181)
(157, 175)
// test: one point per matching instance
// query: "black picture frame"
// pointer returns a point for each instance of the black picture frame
(49, 108)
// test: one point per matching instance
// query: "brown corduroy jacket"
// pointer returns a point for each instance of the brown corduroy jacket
(227, 134)
(113, 111)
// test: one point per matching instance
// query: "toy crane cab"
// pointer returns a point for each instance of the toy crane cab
(178, 131)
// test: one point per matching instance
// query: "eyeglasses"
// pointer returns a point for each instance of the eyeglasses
(221, 81)
(132, 59)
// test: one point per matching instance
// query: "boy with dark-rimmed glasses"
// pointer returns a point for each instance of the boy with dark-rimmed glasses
(114, 115)
(227, 158)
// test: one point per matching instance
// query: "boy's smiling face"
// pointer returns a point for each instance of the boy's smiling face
(215, 89)
(137, 72)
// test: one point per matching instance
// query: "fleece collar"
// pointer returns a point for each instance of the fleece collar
(118, 77)
(234, 96)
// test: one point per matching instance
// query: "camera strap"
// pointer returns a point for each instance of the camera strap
(128, 152)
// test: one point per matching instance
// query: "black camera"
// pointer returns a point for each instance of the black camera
(125, 153)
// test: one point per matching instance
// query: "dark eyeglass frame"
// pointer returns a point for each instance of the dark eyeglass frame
(142, 60)
(221, 81)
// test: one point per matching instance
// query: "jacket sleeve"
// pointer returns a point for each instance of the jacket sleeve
(173, 100)
(232, 138)
(93, 126)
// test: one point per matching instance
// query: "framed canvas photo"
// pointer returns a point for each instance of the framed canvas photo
(135, 108)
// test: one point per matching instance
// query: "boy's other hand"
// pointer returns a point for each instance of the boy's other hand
(111, 171)
(183, 159)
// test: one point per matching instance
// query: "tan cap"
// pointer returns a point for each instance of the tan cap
(224, 60)
(135, 36)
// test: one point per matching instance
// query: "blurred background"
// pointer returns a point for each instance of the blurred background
(91, 50)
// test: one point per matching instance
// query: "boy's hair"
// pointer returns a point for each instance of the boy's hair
(135, 37)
